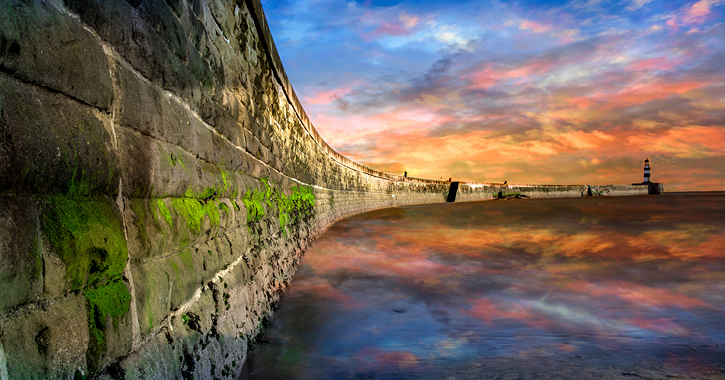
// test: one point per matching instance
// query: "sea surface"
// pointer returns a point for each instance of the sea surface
(575, 288)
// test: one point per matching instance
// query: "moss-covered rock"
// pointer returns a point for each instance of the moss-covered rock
(87, 235)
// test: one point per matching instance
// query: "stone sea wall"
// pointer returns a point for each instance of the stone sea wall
(471, 191)
(159, 182)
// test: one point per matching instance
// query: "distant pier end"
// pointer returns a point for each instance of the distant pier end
(653, 187)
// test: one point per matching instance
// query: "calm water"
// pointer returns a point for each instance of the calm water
(605, 287)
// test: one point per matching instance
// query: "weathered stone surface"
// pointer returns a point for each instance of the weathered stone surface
(51, 143)
(146, 108)
(132, 32)
(40, 45)
(21, 262)
(153, 294)
(47, 341)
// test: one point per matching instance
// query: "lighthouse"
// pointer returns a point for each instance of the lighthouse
(653, 187)
(646, 171)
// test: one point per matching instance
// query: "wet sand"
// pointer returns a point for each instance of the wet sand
(577, 288)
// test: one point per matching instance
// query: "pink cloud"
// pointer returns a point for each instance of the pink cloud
(655, 64)
(698, 12)
(644, 92)
(534, 26)
(487, 311)
(379, 24)
(694, 14)
(329, 96)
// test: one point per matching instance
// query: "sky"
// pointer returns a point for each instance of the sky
(524, 91)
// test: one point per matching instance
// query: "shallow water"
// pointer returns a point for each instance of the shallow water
(604, 287)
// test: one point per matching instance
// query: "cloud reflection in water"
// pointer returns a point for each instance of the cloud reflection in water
(549, 288)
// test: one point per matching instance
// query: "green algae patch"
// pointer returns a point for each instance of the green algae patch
(195, 207)
(253, 203)
(191, 210)
(298, 204)
(212, 210)
(112, 299)
(177, 159)
(223, 206)
(164, 211)
(88, 237)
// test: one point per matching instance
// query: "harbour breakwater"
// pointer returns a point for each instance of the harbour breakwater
(159, 182)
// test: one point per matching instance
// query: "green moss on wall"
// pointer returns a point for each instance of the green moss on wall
(195, 207)
(177, 159)
(111, 299)
(87, 235)
(223, 206)
(211, 208)
(164, 211)
(289, 208)
(253, 203)
(191, 210)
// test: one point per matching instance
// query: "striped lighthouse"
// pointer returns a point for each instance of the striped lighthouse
(646, 170)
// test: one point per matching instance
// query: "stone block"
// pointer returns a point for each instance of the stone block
(227, 215)
(153, 284)
(131, 31)
(51, 143)
(47, 341)
(226, 153)
(21, 262)
(212, 112)
(138, 156)
(184, 276)
(157, 359)
(147, 109)
(205, 142)
(161, 227)
(41, 45)
(156, 169)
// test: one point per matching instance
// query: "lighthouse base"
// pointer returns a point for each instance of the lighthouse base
(652, 187)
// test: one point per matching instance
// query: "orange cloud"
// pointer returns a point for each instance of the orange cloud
(645, 92)
(686, 241)
(686, 142)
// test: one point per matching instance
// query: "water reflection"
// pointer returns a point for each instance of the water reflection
(546, 288)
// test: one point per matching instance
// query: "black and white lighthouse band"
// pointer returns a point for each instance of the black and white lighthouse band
(646, 170)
